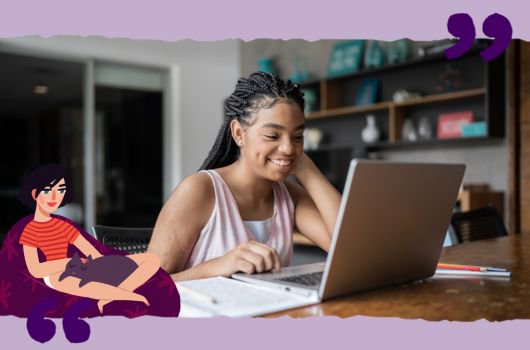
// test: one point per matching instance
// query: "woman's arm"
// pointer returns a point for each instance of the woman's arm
(178, 227)
(86, 247)
(41, 269)
(317, 203)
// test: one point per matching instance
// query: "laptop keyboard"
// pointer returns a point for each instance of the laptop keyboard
(308, 279)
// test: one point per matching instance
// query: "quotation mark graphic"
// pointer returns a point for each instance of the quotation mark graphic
(496, 26)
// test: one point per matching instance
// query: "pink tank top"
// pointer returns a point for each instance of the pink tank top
(225, 229)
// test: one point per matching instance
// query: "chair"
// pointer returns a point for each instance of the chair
(478, 224)
(130, 240)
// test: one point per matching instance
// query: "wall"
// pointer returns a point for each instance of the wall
(202, 115)
(202, 75)
(485, 163)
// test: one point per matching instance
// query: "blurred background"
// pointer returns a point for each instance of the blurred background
(131, 118)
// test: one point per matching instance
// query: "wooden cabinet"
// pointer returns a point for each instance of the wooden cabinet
(470, 200)
(476, 86)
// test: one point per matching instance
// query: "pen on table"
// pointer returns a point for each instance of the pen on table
(470, 267)
(196, 294)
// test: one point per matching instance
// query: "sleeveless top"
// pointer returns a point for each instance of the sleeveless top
(225, 229)
(260, 229)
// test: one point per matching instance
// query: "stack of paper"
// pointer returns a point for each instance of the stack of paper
(221, 296)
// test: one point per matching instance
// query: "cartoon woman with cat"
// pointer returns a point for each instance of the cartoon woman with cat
(44, 190)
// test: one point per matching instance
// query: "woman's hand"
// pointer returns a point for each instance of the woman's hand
(250, 257)
(303, 165)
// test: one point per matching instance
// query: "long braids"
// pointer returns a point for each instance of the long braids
(260, 90)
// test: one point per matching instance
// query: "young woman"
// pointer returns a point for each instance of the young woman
(44, 190)
(239, 212)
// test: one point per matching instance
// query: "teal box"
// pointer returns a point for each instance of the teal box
(475, 129)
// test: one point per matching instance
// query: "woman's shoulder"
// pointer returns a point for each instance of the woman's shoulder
(192, 202)
(195, 190)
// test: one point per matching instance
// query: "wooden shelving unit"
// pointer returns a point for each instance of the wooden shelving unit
(479, 90)
(336, 112)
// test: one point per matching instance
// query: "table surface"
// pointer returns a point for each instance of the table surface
(448, 298)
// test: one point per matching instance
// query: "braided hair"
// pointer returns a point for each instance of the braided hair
(260, 90)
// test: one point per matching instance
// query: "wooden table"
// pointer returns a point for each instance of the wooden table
(456, 298)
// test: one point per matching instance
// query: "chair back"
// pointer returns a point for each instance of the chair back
(131, 240)
(478, 224)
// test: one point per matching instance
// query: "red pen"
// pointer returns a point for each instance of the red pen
(469, 267)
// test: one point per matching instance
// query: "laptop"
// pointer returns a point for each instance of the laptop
(390, 229)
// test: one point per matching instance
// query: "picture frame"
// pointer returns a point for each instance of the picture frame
(346, 57)
(368, 92)
(450, 124)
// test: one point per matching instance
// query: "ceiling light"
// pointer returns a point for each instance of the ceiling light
(40, 89)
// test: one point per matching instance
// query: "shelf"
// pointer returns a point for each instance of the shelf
(448, 96)
(388, 67)
(481, 93)
(434, 143)
(336, 112)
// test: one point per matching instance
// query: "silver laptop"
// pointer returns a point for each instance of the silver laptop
(390, 230)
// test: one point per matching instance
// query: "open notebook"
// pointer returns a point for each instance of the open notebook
(221, 296)
(390, 230)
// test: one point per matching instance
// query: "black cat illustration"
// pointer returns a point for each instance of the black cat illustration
(108, 269)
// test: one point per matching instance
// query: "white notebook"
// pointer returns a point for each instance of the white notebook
(221, 296)
(452, 272)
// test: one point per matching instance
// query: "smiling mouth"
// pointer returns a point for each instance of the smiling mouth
(51, 204)
(281, 163)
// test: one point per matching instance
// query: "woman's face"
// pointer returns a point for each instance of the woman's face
(274, 141)
(51, 197)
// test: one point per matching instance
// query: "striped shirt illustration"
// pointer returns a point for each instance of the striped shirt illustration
(52, 237)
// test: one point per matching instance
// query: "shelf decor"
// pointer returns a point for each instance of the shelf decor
(409, 132)
(450, 124)
(310, 98)
(312, 138)
(414, 94)
(346, 58)
(475, 129)
(370, 133)
(367, 93)
(398, 51)
(267, 65)
(375, 56)
(424, 129)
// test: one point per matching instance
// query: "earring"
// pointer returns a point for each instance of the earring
(239, 142)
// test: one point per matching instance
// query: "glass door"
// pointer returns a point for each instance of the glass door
(128, 145)
(103, 121)
(41, 121)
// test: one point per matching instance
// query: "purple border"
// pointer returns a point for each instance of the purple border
(217, 20)
(283, 333)
(210, 20)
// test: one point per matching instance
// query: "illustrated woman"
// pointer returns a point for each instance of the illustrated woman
(239, 212)
(44, 190)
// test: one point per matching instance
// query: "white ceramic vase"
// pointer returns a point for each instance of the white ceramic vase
(408, 133)
(370, 132)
